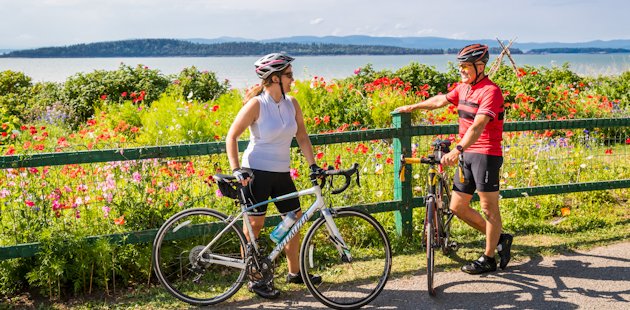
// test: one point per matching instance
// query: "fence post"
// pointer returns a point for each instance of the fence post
(402, 190)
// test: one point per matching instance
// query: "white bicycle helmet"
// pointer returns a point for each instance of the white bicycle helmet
(268, 64)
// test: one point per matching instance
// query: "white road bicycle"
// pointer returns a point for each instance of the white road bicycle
(202, 257)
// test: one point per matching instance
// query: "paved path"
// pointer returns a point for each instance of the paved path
(594, 279)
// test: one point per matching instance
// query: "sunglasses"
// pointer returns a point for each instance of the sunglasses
(288, 74)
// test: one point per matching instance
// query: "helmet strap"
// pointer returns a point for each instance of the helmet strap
(477, 74)
(280, 84)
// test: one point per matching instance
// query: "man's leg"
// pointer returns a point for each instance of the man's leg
(489, 202)
(460, 205)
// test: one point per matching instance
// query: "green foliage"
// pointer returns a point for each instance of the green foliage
(14, 92)
(328, 105)
(193, 84)
(83, 93)
(171, 120)
(419, 74)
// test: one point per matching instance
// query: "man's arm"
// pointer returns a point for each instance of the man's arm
(432, 103)
(472, 135)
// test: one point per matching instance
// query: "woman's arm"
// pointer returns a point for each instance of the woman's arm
(245, 117)
(301, 135)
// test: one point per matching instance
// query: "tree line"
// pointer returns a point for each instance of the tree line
(181, 48)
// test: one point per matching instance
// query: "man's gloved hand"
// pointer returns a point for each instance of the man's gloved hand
(241, 175)
(316, 170)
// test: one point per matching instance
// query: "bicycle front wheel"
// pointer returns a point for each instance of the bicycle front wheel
(348, 281)
(431, 241)
(177, 262)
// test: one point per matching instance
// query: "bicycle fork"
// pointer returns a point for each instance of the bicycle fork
(335, 237)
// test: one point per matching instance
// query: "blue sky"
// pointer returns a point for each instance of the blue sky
(36, 23)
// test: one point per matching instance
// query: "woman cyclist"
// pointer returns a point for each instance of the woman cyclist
(273, 119)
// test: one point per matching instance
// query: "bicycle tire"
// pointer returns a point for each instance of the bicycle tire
(431, 241)
(174, 248)
(443, 214)
(347, 285)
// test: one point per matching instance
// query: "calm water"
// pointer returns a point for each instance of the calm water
(239, 70)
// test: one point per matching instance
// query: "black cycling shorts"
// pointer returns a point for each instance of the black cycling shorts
(268, 184)
(481, 172)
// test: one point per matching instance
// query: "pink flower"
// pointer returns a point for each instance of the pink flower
(218, 193)
(30, 203)
(136, 177)
(357, 70)
(294, 173)
(171, 187)
(106, 210)
(4, 193)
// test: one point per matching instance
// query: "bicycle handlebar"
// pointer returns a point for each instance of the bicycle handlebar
(347, 173)
(439, 147)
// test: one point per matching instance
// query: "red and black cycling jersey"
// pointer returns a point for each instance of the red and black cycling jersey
(485, 98)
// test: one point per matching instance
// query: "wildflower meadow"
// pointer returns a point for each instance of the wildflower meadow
(62, 207)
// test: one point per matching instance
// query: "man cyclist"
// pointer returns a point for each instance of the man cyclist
(480, 106)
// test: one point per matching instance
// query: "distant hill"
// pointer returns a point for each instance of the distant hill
(433, 42)
(180, 48)
(4, 51)
(578, 50)
(304, 45)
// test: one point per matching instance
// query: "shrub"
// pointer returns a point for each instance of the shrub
(14, 92)
(83, 93)
(201, 86)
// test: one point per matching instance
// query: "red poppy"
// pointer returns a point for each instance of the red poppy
(120, 220)
(609, 151)
(103, 97)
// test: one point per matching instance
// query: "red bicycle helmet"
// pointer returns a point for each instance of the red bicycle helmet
(473, 53)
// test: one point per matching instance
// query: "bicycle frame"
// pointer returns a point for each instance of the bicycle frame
(317, 205)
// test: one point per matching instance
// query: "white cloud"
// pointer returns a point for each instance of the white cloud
(400, 26)
(458, 35)
(316, 21)
(425, 32)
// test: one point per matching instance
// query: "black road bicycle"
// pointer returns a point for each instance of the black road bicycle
(202, 257)
(436, 233)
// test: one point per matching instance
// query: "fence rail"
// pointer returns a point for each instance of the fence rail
(401, 134)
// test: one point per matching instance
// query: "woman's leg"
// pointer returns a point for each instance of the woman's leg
(292, 250)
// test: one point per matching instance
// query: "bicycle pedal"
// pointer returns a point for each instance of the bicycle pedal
(454, 246)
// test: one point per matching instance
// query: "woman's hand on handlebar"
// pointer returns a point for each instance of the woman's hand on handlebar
(242, 176)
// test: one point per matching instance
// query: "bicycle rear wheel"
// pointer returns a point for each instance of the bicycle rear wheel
(176, 250)
(444, 216)
(347, 283)
(431, 241)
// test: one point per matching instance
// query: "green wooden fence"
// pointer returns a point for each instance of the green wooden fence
(401, 133)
